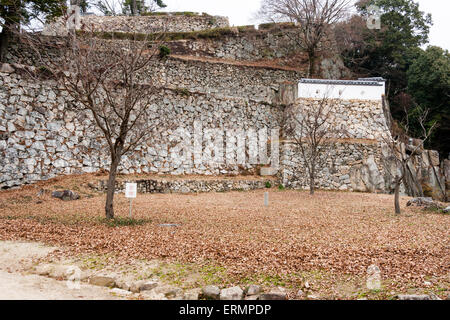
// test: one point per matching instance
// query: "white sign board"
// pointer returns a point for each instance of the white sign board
(131, 190)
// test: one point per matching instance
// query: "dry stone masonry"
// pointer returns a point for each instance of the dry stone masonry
(171, 22)
(186, 186)
(211, 81)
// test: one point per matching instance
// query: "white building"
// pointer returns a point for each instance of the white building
(361, 89)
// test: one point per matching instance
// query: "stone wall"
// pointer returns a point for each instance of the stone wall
(351, 166)
(361, 160)
(277, 46)
(355, 161)
(221, 78)
(40, 139)
(143, 24)
(242, 43)
(273, 47)
(188, 185)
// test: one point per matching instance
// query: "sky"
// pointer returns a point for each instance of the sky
(241, 12)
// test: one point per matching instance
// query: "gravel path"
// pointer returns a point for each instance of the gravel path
(17, 284)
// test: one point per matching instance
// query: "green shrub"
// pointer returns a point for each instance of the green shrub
(185, 13)
(282, 25)
(147, 14)
(245, 29)
(164, 52)
(44, 72)
(123, 222)
(268, 185)
(216, 33)
(281, 187)
(183, 91)
(181, 13)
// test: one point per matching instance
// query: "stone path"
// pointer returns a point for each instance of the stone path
(16, 284)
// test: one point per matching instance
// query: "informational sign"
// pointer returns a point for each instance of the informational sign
(131, 190)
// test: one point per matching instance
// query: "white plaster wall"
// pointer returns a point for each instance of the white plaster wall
(345, 92)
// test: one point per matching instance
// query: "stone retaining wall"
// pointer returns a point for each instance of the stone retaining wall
(189, 186)
(223, 79)
(143, 24)
(41, 138)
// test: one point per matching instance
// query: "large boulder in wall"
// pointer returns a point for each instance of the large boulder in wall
(367, 177)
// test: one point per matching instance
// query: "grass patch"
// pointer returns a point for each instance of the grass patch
(282, 25)
(215, 33)
(275, 280)
(95, 263)
(435, 210)
(183, 91)
(180, 13)
(79, 219)
(174, 274)
(164, 52)
(123, 222)
(213, 275)
(68, 220)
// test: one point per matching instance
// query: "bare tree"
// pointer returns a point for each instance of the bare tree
(129, 7)
(402, 148)
(109, 7)
(313, 17)
(350, 35)
(110, 83)
(314, 131)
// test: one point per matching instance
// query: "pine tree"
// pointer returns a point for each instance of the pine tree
(14, 13)
(138, 7)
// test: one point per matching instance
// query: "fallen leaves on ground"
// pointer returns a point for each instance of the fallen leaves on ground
(340, 233)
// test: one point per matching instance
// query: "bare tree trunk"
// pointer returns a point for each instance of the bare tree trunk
(10, 26)
(4, 42)
(109, 208)
(134, 8)
(311, 185)
(312, 62)
(397, 195)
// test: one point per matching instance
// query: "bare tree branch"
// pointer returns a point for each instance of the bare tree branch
(312, 17)
(109, 81)
(314, 131)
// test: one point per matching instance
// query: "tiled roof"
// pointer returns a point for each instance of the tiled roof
(359, 82)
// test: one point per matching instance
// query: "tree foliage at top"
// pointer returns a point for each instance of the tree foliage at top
(139, 7)
(14, 13)
(429, 85)
(313, 18)
(390, 51)
(403, 28)
(418, 80)
(18, 11)
(126, 7)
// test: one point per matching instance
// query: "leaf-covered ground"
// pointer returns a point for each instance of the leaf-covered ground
(329, 239)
